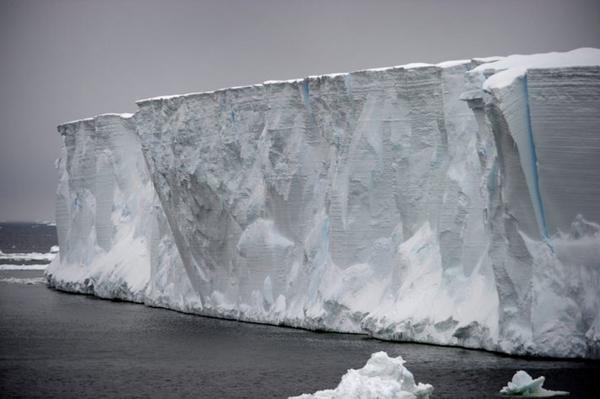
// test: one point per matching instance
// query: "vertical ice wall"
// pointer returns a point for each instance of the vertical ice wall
(450, 203)
(348, 202)
(544, 221)
(114, 240)
(563, 121)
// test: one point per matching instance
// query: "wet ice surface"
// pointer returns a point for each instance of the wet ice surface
(55, 344)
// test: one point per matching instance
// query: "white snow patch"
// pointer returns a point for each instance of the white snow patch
(452, 63)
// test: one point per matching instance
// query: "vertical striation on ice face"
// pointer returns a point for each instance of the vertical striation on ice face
(451, 203)
(117, 243)
(543, 112)
(347, 202)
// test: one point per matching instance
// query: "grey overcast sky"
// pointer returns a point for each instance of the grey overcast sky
(68, 59)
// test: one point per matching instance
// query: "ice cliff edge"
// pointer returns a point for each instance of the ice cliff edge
(454, 203)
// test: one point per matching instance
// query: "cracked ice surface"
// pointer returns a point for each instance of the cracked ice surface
(416, 202)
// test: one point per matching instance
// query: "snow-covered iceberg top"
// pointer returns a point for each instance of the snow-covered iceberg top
(490, 73)
(522, 385)
(507, 69)
(30, 256)
(501, 72)
(409, 66)
(92, 120)
(383, 377)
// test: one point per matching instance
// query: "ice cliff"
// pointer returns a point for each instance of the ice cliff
(454, 203)
(117, 243)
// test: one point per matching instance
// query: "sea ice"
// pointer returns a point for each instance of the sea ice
(26, 281)
(23, 267)
(29, 256)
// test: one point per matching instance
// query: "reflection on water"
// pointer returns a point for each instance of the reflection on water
(55, 344)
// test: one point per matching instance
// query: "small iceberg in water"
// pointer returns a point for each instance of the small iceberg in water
(523, 386)
(383, 377)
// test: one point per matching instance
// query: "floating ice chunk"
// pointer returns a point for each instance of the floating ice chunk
(382, 377)
(23, 267)
(523, 385)
(26, 281)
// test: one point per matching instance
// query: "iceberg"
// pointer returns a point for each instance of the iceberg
(523, 386)
(450, 203)
(383, 377)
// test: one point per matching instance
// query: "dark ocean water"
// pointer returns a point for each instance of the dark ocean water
(27, 237)
(54, 344)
